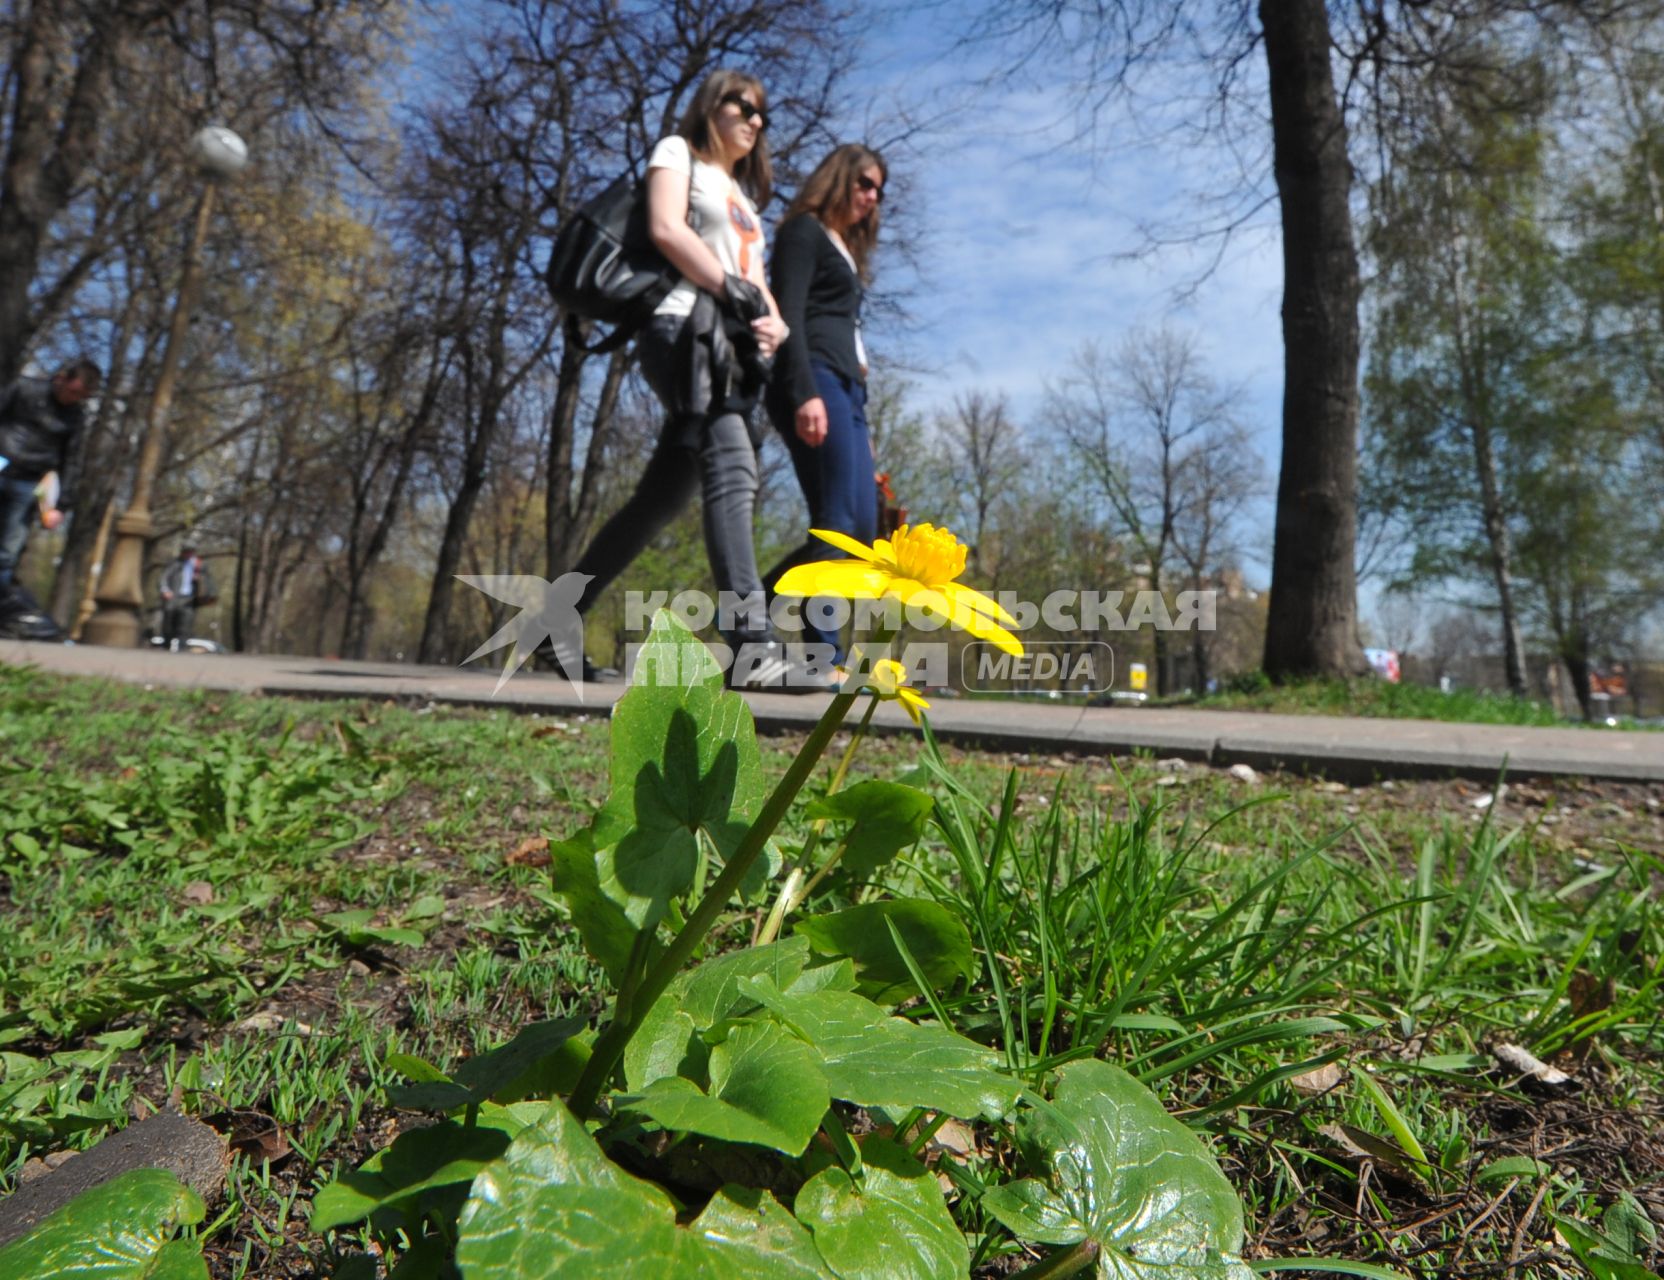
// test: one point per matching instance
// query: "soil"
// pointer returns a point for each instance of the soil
(1614, 1142)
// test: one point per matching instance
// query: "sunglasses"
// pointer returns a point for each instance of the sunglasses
(867, 184)
(748, 110)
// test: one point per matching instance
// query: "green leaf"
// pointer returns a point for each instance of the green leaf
(608, 934)
(405, 1175)
(765, 1089)
(713, 992)
(544, 1058)
(875, 1060)
(667, 1043)
(1627, 1225)
(937, 939)
(1603, 1257)
(684, 759)
(892, 1224)
(756, 1236)
(1512, 1167)
(526, 1064)
(357, 931)
(835, 975)
(555, 1206)
(887, 816)
(114, 1231)
(1117, 1169)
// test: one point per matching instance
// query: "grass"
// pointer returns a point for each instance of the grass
(1378, 698)
(243, 906)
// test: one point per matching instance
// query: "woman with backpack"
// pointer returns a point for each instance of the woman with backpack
(706, 353)
(818, 396)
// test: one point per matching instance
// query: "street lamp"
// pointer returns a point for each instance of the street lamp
(218, 154)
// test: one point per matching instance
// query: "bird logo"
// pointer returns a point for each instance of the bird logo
(548, 612)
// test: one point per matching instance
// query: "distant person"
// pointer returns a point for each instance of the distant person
(818, 396)
(706, 354)
(186, 585)
(40, 419)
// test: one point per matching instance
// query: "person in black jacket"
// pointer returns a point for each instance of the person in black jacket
(40, 419)
(818, 396)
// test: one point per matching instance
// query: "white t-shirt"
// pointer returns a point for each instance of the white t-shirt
(718, 210)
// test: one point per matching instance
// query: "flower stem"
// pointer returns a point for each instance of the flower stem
(789, 897)
(609, 1047)
(1066, 1262)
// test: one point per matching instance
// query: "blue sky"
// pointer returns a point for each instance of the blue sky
(1028, 237)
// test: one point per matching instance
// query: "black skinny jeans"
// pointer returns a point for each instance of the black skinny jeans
(719, 462)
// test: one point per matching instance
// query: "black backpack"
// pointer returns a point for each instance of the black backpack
(604, 266)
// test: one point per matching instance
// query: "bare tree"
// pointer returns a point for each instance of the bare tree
(1218, 477)
(984, 457)
(1134, 422)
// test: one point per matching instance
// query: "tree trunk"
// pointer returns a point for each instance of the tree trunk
(1577, 666)
(1496, 536)
(49, 147)
(1312, 628)
(568, 520)
(1199, 655)
(461, 515)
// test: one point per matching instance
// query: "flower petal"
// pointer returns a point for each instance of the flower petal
(977, 601)
(965, 618)
(848, 578)
(844, 542)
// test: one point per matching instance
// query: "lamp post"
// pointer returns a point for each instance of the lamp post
(219, 154)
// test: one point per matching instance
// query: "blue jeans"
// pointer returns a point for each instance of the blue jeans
(837, 483)
(17, 510)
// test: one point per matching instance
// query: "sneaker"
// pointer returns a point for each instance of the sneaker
(546, 659)
(765, 666)
(21, 618)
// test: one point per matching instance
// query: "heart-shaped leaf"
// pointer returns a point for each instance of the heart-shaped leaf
(1117, 1169)
(766, 1088)
(684, 759)
(555, 1206)
(935, 937)
(889, 1223)
(875, 1060)
(887, 817)
(122, 1229)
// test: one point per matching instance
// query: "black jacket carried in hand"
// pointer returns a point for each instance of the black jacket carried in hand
(723, 366)
(37, 434)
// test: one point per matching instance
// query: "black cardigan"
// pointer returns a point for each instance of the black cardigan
(820, 299)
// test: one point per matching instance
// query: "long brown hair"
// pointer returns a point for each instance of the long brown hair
(754, 172)
(828, 193)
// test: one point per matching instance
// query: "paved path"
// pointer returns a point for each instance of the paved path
(1352, 749)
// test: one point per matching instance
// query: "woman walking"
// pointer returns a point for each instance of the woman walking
(706, 353)
(818, 395)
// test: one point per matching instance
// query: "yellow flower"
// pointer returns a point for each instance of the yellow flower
(889, 681)
(918, 567)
